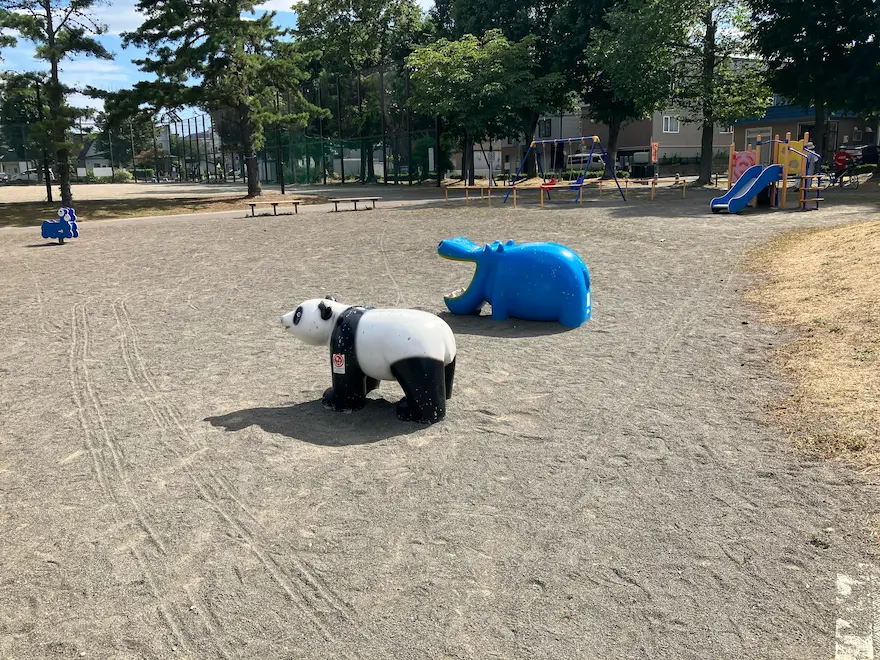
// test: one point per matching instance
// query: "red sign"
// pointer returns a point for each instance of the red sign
(655, 147)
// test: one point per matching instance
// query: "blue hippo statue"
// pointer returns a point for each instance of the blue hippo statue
(532, 281)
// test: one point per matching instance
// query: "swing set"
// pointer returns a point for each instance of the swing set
(578, 184)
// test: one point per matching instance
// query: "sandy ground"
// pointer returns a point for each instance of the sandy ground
(172, 487)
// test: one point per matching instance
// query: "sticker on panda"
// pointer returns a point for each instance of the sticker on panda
(367, 345)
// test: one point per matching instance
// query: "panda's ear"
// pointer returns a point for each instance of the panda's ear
(330, 298)
(326, 311)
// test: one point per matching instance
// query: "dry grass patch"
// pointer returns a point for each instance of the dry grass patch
(826, 283)
(27, 214)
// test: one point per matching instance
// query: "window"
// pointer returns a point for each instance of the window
(670, 124)
(857, 135)
(544, 128)
(726, 129)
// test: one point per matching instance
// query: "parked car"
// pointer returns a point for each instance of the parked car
(29, 175)
(4, 177)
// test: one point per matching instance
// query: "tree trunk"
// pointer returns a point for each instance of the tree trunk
(614, 125)
(531, 167)
(707, 83)
(820, 137)
(252, 166)
(56, 100)
(471, 162)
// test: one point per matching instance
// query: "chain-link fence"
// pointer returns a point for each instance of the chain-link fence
(370, 136)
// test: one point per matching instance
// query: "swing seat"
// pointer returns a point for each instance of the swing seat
(549, 184)
(576, 185)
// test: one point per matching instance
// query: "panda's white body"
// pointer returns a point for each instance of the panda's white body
(386, 336)
(415, 348)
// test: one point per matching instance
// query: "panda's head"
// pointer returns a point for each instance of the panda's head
(313, 321)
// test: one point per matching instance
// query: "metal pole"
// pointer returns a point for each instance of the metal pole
(133, 163)
(45, 153)
(155, 149)
(110, 144)
(180, 150)
(437, 162)
(214, 147)
(205, 138)
(196, 140)
(279, 153)
(382, 112)
(409, 163)
(321, 134)
(339, 122)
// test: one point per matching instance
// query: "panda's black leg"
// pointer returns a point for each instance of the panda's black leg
(372, 384)
(349, 391)
(449, 376)
(423, 383)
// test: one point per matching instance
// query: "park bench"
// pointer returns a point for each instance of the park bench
(353, 199)
(295, 202)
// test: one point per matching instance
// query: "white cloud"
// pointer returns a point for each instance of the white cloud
(275, 5)
(119, 17)
(83, 101)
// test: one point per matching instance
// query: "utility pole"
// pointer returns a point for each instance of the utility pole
(46, 172)
(279, 154)
(133, 163)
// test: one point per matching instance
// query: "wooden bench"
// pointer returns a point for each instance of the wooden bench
(353, 199)
(295, 202)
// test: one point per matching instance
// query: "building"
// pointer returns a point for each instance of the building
(678, 141)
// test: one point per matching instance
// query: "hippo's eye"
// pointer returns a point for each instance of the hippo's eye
(297, 315)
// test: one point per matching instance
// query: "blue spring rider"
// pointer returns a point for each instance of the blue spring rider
(532, 281)
(64, 227)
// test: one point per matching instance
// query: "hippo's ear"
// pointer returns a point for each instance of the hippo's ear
(326, 311)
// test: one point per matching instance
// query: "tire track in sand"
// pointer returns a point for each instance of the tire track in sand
(82, 388)
(169, 421)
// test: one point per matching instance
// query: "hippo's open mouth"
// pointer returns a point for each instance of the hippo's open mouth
(458, 293)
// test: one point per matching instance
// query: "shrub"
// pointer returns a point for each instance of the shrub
(122, 176)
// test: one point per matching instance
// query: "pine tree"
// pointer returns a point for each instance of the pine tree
(60, 29)
(206, 55)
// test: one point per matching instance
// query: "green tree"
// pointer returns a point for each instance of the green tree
(21, 116)
(619, 59)
(474, 84)
(60, 29)
(118, 137)
(718, 83)
(362, 39)
(206, 55)
(818, 53)
(552, 84)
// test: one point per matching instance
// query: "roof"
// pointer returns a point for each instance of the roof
(779, 113)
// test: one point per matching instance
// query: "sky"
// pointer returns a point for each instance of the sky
(120, 73)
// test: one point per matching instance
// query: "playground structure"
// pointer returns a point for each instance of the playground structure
(578, 184)
(547, 186)
(747, 177)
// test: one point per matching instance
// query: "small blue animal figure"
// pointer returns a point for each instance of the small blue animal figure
(533, 281)
(64, 227)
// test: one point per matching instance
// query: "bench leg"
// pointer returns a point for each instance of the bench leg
(274, 209)
(355, 205)
(374, 202)
(296, 209)
(336, 207)
(252, 211)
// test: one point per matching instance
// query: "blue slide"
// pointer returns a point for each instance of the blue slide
(747, 187)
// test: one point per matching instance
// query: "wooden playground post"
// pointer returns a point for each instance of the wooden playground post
(514, 196)
(784, 149)
(754, 202)
(489, 193)
(653, 186)
(542, 199)
(730, 160)
(446, 190)
(684, 188)
(467, 198)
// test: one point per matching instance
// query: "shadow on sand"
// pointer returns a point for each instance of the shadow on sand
(484, 325)
(311, 422)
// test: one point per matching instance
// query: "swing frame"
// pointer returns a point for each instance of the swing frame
(594, 142)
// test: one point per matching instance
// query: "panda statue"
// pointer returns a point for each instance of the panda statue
(367, 345)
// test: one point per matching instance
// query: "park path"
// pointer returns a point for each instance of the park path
(172, 488)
